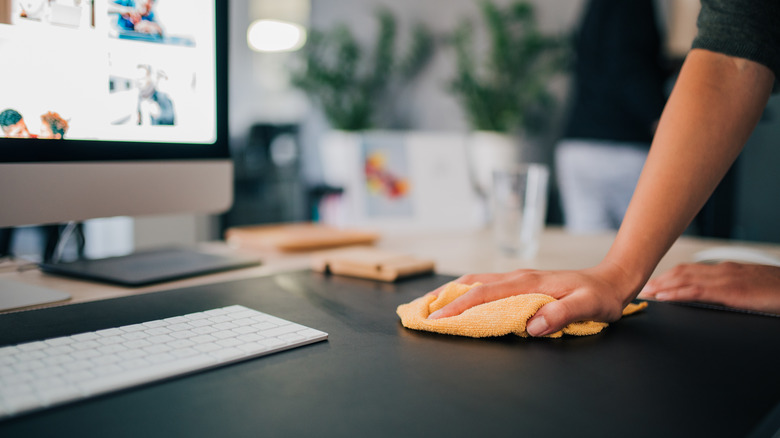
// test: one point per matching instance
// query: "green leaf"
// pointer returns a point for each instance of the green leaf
(350, 83)
(507, 89)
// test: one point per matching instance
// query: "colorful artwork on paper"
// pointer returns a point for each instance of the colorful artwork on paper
(388, 184)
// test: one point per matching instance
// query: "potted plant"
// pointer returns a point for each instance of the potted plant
(351, 84)
(505, 94)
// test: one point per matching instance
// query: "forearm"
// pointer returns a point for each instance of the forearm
(709, 116)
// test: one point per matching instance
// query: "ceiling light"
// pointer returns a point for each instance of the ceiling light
(275, 36)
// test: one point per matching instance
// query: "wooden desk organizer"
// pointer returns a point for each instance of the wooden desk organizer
(371, 263)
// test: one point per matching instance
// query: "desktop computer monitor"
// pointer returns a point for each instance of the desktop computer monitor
(112, 108)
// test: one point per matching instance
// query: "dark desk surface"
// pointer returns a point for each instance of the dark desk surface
(669, 371)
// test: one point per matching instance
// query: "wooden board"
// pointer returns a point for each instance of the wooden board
(297, 237)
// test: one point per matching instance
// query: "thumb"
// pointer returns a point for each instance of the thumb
(554, 316)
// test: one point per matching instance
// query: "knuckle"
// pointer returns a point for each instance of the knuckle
(696, 291)
(681, 269)
(467, 279)
(529, 277)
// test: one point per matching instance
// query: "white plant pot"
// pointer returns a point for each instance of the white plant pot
(340, 156)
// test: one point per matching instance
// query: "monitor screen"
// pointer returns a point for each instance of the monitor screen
(112, 107)
(96, 71)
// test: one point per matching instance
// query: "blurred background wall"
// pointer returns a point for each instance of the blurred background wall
(261, 96)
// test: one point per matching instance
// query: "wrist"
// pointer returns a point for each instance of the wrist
(626, 282)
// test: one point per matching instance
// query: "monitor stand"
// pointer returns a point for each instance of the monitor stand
(143, 268)
(16, 295)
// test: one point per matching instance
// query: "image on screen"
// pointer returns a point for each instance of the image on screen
(114, 70)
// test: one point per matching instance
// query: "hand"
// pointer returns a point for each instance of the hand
(737, 285)
(596, 294)
(148, 27)
(132, 16)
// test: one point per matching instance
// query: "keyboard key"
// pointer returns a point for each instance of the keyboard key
(109, 332)
(65, 340)
(292, 337)
(32, 346)
(311, 333)
(229, 342)
(204, 339)
(85, 336)
(207, 347)
(226, 354)
(8, 351)
(253, 348)
(175, 320)
(154, 324)
(157, 331)
(290, 328)
(133, 328)
(195, 316)
(135, 335)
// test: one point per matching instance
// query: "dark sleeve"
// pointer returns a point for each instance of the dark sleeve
(639, 75)
(747, 29)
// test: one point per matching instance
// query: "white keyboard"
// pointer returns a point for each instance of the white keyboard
(41, 374)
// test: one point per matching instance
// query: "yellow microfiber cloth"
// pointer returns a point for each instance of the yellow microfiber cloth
(495, 318)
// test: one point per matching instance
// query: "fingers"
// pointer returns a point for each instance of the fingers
(469, 279)
(678, 277)
(694, 282)
(474, 297)
(480, 294)
(687, 293)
